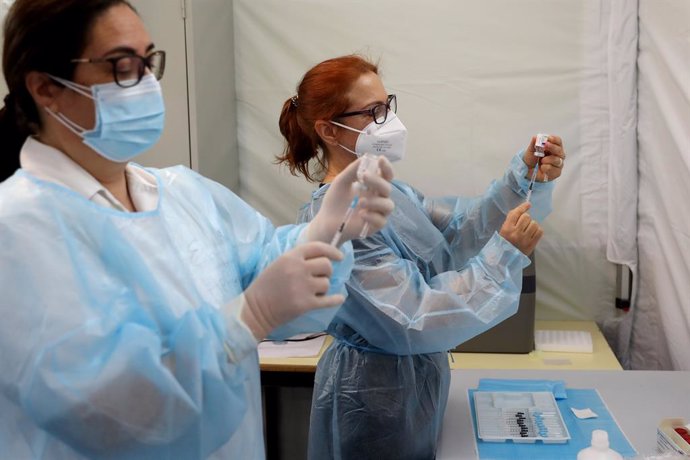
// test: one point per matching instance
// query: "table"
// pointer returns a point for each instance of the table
(294, 364)
(602, 358)
(638, 400)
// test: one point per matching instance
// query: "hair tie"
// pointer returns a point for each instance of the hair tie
(293, 100)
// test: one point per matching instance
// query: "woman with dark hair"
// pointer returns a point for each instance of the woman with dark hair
(440, 272)
(133, 298)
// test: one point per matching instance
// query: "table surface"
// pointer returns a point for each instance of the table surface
(638, 400)
(601, 358)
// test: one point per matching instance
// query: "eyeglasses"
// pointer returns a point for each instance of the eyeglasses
(379, 112)
(129, 69)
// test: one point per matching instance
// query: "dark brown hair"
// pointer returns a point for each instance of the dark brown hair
(321, 95)
(40, 35)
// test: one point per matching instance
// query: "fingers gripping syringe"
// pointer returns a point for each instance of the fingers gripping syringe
(348, 214)
(368, 163)
(539, 153)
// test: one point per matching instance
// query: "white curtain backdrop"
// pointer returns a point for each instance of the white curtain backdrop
(475, 79)
(621, 247)
(661, 328)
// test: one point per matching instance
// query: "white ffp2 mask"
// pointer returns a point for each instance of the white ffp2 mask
(388, 139)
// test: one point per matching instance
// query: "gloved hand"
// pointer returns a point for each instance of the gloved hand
(520, 230)
(291, 285)
(551, 166)
(373, 208)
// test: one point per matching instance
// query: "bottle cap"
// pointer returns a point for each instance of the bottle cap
(600, 439)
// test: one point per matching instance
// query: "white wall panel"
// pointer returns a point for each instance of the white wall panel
(166, 25)
(4, 6)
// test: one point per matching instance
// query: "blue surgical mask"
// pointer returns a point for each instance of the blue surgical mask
(129, 121)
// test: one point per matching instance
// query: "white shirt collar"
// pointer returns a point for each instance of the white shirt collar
(47, 163)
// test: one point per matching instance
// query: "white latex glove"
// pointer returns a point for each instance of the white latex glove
(291, 285)
(374, 205)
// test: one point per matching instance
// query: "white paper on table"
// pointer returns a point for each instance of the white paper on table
(284, 349)
(584, 413)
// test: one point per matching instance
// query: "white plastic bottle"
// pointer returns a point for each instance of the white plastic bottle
(599, 450)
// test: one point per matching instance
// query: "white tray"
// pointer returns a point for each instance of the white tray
(563, 341)
(521, 417)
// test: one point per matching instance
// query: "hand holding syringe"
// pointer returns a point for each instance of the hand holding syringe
(345, 200)
(539, 152)
(368, 164)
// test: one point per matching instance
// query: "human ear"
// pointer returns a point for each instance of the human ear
(43, 90)
(327, 132)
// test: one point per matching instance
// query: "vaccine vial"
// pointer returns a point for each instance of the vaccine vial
(539, 145)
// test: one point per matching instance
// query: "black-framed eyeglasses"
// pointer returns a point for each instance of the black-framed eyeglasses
(379, 112)
(129, 69)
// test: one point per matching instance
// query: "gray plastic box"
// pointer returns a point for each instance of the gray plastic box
(516, 334)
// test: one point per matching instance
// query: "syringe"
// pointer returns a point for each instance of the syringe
(369, 163)
(539, 144)
(348, 214)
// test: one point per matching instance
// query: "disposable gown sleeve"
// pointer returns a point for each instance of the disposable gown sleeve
(121, 392)
(412, 315)
(100, 375)
(468, 223)
(276, 242)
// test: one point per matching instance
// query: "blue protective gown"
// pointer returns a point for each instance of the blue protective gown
(437, 275)
(119, 336)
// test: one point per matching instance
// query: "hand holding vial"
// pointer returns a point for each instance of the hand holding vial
(544, 157)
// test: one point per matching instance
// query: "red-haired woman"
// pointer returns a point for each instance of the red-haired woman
(440, 272)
